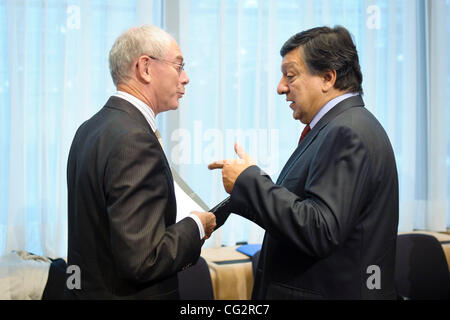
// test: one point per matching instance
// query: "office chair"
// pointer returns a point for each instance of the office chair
(421, 271)
(195, 282)
(255, 259)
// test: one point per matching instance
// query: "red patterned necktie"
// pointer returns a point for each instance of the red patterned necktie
(304, 133)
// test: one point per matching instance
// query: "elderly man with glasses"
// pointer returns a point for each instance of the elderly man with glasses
(121, 199)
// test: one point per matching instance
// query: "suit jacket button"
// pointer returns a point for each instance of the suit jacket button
(186, 266)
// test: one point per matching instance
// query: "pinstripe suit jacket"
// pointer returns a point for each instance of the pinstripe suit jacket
(122, 210)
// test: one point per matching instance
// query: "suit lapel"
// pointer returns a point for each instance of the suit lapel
(355, 101)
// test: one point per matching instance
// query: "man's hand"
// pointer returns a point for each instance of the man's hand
(208, 220)
(231, 169)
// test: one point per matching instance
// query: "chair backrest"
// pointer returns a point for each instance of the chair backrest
(255, 260)
(421, 270)
(56, 280)
(195, 282)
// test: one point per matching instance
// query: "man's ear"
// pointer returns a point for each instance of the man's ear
(328, 80)
(143, 69)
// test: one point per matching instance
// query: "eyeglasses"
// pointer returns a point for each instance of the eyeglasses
(180, 66)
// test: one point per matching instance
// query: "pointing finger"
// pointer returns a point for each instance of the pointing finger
(216, 165)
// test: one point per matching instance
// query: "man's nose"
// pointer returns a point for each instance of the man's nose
(184, 79)
(282, 87)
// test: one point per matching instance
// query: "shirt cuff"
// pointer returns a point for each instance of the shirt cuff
(199, 225)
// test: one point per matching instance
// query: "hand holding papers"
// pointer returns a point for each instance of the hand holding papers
(189, 202)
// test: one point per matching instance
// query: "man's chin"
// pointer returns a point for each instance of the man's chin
(169, 108)
(300, 117)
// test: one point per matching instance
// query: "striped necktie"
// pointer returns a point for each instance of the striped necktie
(158, 135)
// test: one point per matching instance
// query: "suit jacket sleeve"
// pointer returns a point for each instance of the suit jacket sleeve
(336, 189)
(144, 245)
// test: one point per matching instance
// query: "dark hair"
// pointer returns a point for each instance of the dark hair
(327, 49)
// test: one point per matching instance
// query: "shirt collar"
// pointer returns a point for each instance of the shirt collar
(330, 105)
(144, 108)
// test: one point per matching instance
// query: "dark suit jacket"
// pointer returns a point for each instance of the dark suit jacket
(122, 210)
(332, 213)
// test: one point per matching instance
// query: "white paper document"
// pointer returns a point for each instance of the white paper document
(187, 200)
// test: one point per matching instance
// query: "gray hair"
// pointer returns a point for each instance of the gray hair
(133, 43)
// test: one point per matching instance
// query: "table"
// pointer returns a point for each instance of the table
(231, 273)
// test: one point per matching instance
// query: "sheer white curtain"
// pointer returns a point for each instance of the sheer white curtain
(53, 76)
(232, 54)
(438, 114)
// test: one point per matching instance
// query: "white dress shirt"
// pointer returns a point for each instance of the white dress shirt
(149, 115)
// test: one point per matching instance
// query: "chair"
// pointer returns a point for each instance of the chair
(195, 282)
(421, 271)
(56, 281)
(255, 260)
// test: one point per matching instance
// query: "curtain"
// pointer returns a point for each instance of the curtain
(54, 75)
(232, 54)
